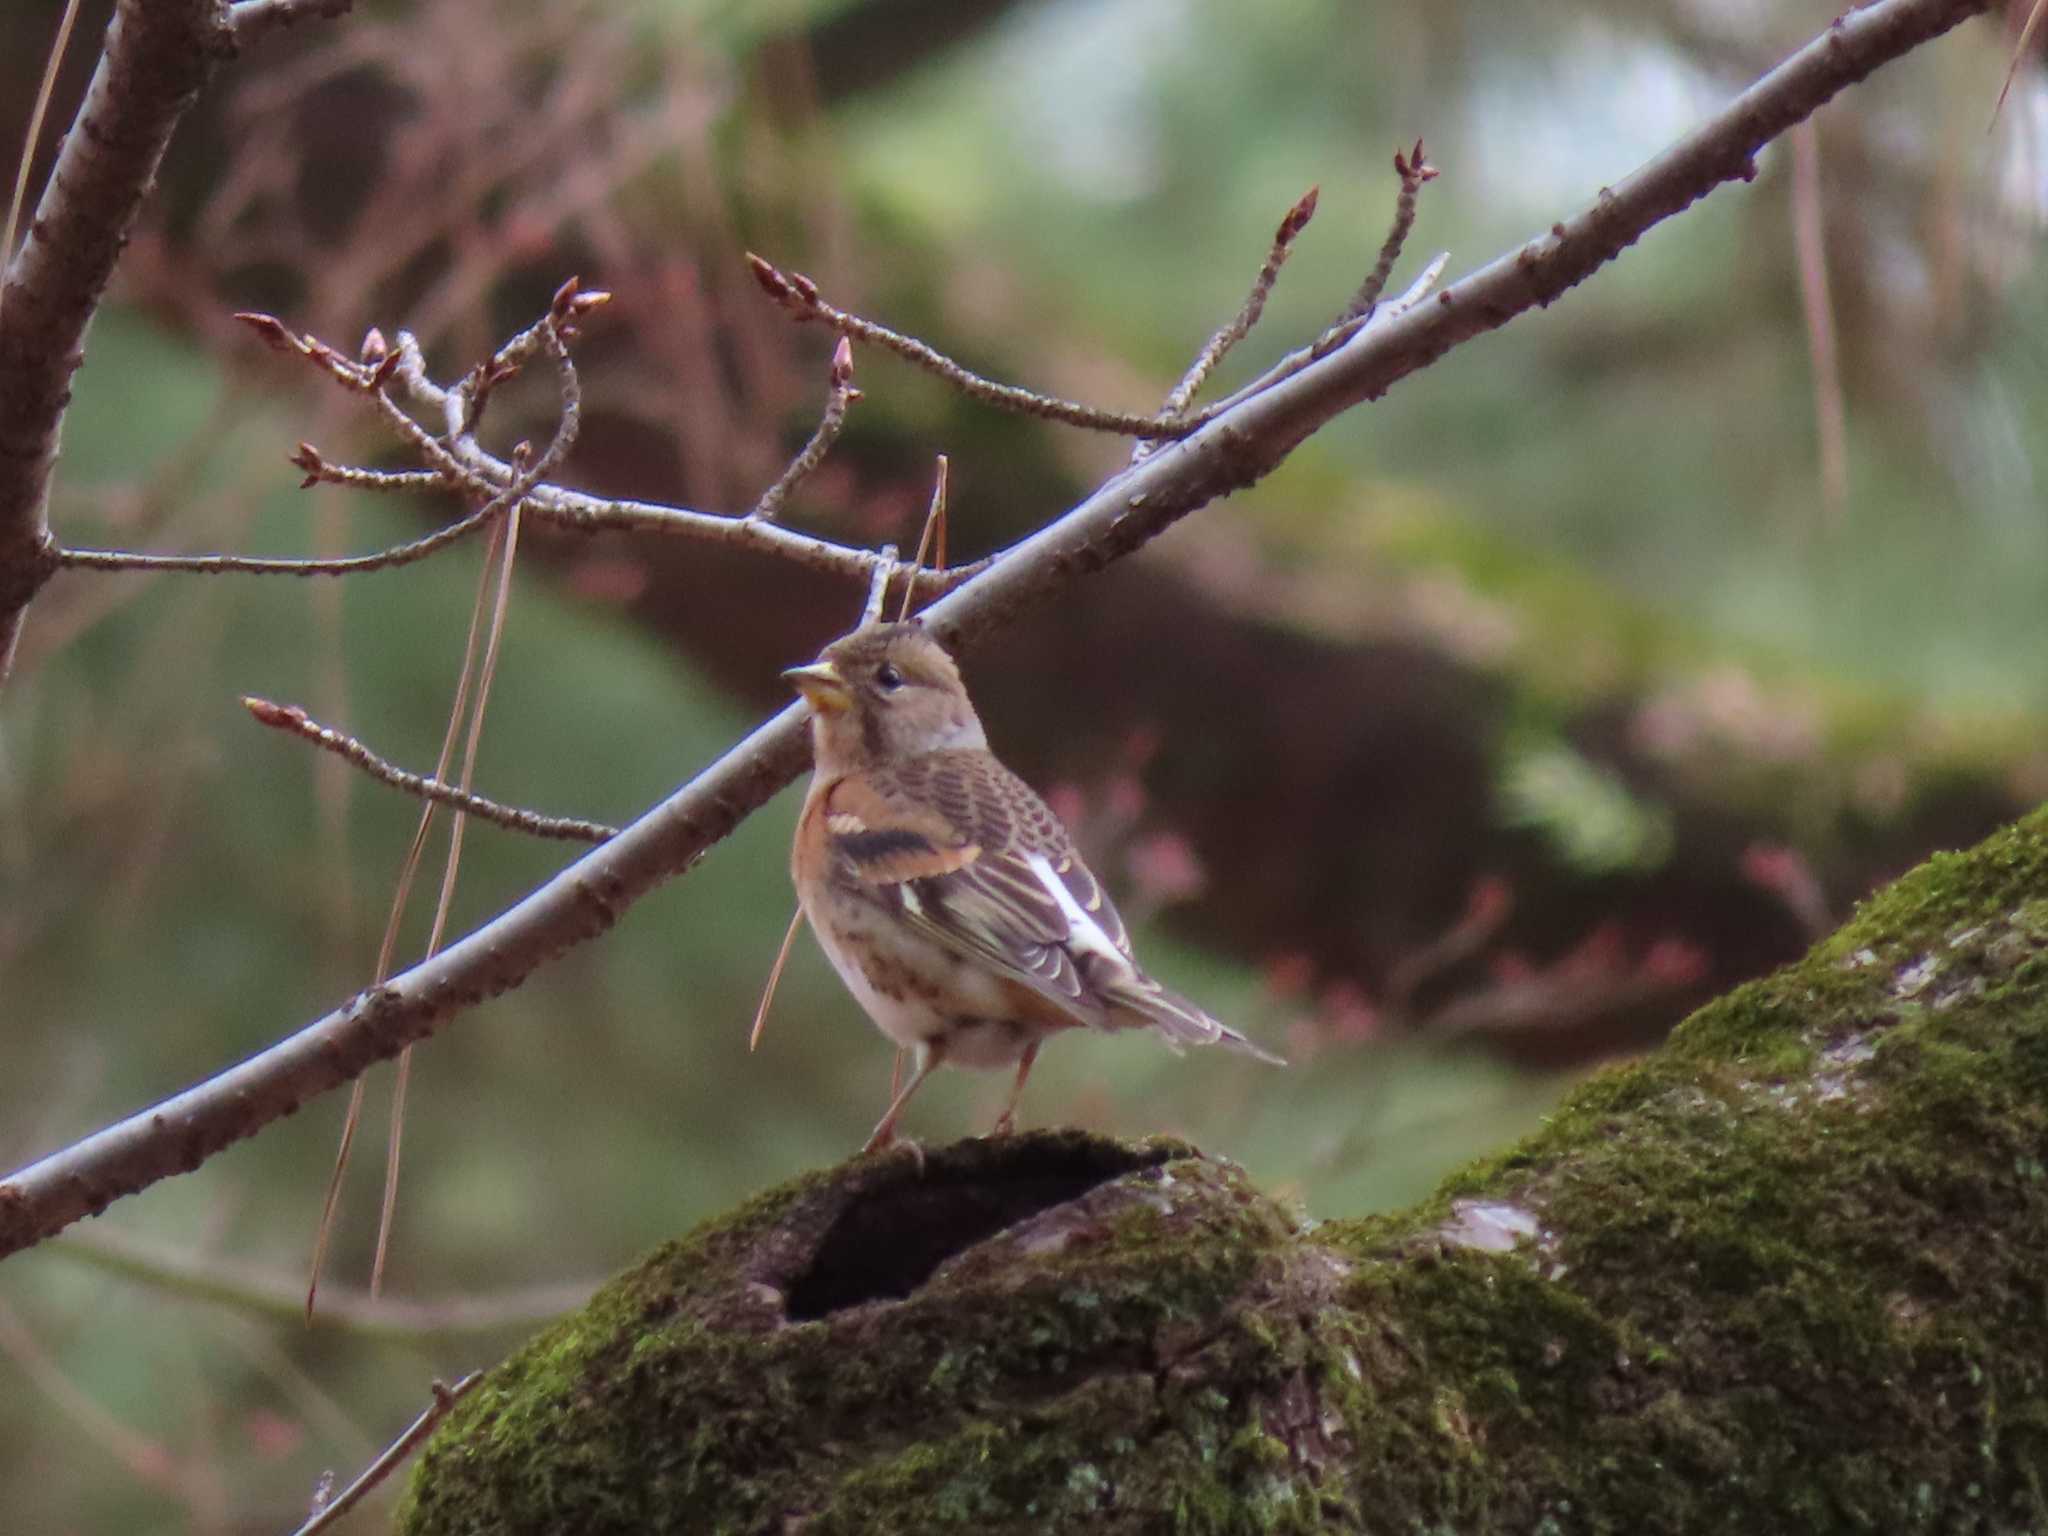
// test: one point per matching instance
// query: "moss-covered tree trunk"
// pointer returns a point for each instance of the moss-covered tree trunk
(1790, 1274)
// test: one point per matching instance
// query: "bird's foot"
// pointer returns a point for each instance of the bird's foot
(1006, 1124)
(885, 1139)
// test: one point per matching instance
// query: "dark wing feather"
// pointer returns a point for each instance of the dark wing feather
(968, 851)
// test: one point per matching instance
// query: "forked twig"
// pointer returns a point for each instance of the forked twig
(289, 717)
(1248, 313)
(394, 1455)
(548, 335)
(812, 454)
(1413, 170)
(878, 585)
(799, 295)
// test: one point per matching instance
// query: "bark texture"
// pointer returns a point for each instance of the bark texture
(1786, 1274)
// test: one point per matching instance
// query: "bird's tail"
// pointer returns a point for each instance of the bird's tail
(1142, 1001)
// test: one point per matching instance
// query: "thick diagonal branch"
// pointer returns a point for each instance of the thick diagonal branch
(157, 56)
(1248, 439)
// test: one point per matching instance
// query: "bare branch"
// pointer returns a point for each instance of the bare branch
(274, 1294)
(286, 717)
(547, 336)
(1248, 314)
(799, 295)
(462, 466)
(157, 55)
(445, 1399)
(805, 464)
(253, 20)
(256, 565)
(878, 585)
(1242, 444)
(1413, 171)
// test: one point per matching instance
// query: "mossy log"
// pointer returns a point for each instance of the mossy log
(1788, 1274)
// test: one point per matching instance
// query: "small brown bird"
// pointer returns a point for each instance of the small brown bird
(945, 893)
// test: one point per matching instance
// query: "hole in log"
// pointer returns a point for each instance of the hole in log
(887, 1242)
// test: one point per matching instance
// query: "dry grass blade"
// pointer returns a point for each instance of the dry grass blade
(796, 921)
(2019, 56)
(400, 898)
(485, 676)
(33, 137)
(1810, 245)
(932, 541)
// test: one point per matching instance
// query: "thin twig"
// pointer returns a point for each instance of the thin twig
(547, 335)
(799, 295)
(1413, 170)
(254, 19)
(318, 471)
(1246, 442)
(878, 584)
(269, 1293)
(146, 1459)
(462, 466)
(1341, 335)
(253, 565)
(156, 58)
(842, 394)
(445, 1399)
(1254, 305)
(286, 717)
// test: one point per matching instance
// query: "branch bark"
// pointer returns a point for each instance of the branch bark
(1782, 1276)
(1254, 434)
(158, 54)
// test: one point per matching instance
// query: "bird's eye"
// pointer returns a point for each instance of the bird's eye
(887, 678)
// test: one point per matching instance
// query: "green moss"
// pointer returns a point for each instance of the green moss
(1785, 1274)
(685, 1398)
(1788, 1272)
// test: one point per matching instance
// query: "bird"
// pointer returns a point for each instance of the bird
(946, 894)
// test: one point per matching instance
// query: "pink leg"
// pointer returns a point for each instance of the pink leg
(928, 1058)
(1006, 1122)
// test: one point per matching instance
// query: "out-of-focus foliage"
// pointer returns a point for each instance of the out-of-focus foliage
(1610, 515)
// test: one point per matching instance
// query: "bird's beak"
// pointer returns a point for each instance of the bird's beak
(822, 687)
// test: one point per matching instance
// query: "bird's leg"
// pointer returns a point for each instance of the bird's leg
(928, 1058)
(1006, 1122)
(896, 1074)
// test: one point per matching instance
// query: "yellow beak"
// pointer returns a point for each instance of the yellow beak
(822, 687)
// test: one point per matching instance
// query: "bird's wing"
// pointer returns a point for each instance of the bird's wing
(976, 860)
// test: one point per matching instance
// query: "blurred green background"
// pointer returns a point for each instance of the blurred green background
(1569, 684)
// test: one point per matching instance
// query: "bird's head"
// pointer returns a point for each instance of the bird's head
(882, 694)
